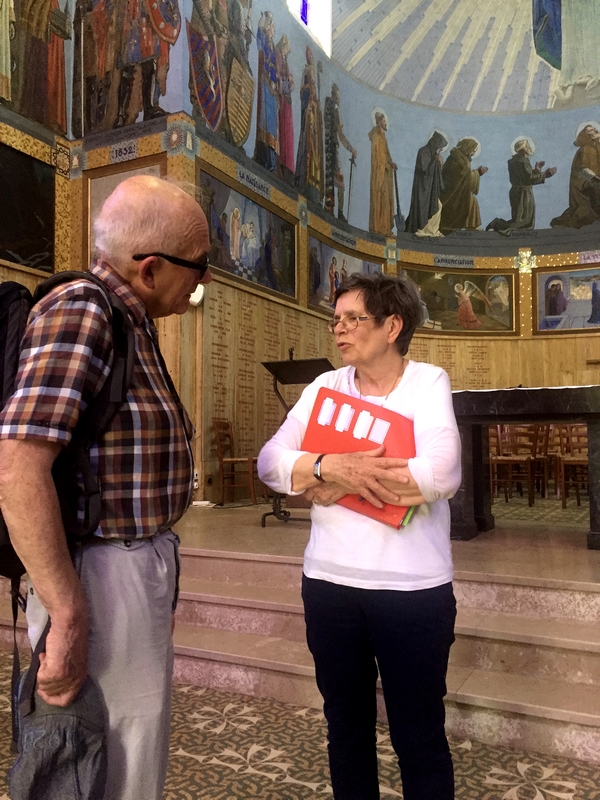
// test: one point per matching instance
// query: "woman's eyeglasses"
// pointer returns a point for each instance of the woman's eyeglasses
(349, 322)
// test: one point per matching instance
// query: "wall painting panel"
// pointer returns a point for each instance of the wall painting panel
(464, 302)
(251, 239)
(328, 264)
(567, 300)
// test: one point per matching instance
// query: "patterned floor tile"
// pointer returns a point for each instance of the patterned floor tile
(229, 747)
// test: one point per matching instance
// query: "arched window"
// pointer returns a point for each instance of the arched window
(315, 15)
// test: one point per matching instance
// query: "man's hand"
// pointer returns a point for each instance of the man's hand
(482, 170)
(63, 667)
(38, 536)
(550, 172)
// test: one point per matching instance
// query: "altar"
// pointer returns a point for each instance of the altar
(471, 509)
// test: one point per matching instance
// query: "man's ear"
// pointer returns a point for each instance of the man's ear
(146, 270)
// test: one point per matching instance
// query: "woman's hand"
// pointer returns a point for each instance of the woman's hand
(325, 494)
(366, 474)
(408, 493)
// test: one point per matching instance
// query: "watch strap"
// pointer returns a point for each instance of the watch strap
(317, 467)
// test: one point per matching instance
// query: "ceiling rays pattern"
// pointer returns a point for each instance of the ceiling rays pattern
(460, 55)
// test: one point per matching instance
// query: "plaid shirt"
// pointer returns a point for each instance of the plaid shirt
(144, 461)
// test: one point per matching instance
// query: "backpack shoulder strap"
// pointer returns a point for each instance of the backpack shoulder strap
(15, 305)
(96, 418)
(106, 403)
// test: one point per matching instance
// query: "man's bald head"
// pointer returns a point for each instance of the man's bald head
(145, 213)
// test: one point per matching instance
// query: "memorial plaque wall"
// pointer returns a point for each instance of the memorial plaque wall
(240, 330)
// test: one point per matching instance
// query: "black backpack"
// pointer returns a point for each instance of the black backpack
(16, 302)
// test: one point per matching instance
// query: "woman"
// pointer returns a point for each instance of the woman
(378, 600)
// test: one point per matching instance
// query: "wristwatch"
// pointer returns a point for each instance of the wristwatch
(317, 467)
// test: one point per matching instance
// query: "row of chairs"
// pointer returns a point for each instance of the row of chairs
(521, 456)
(532, 456)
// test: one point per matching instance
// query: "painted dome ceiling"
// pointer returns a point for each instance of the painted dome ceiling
(469, 55)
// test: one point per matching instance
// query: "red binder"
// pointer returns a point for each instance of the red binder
(340, 423)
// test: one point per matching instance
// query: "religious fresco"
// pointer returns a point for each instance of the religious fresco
(567, 300)
(248, 240)
(584, 181)
(26, 210)
(33, 34)
(221, 81)
(328, 265)
(384, 202)
(459, 302)
(474, 55)
(254, 77)
(121, 61)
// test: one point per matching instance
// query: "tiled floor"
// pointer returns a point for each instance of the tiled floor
(228, 747)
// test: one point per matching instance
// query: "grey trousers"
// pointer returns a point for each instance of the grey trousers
(131, 590)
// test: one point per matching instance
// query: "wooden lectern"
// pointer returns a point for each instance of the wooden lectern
(285, 373)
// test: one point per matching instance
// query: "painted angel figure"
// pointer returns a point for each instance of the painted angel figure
(467, 318)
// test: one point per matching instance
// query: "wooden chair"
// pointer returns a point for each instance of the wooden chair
(555, 449)
(228, 477)
(514, 463)
(542, 460)
(573, 465)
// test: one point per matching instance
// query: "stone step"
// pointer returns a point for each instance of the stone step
(224, 566)
(538, 714)
(529, 596)
(510, 594)
(508, 643)
(556, 648)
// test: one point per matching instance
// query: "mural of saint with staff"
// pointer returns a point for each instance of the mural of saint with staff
(334, 176)
(381, 209)
(309, 158)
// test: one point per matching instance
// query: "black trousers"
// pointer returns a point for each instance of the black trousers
(354, 634)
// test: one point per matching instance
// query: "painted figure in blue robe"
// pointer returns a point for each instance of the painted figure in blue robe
(266, 148)
(595, 315)
(547, 31)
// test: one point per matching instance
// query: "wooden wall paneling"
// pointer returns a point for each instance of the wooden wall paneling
(199, 399)
(188, 357)
(302, 276)
(28, 277)
(169, 339)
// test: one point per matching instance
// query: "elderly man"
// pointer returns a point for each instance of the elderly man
(111, 609)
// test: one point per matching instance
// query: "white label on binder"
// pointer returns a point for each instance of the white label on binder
(379, 431)
(363, 423)
(344, 419)
(327, 411)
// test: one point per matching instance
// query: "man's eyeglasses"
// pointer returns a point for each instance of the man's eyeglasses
(349, 322)
(201, 266)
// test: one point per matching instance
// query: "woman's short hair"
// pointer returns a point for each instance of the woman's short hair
(385, 296)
